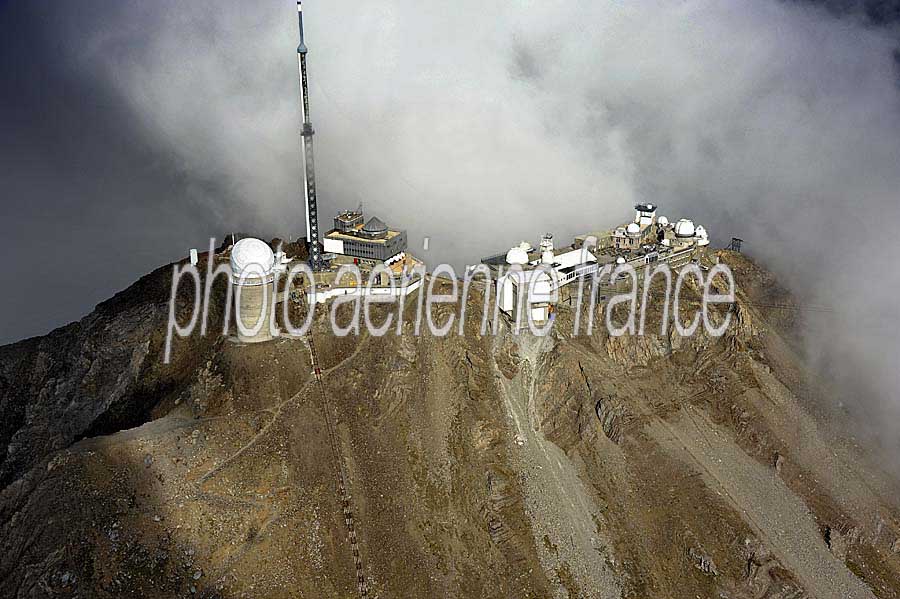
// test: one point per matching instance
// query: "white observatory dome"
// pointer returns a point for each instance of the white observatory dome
(517, 255)
(620, 260)
(684, 228)
(663, 221)
(254, 256)
(633, 229)
(700, 231)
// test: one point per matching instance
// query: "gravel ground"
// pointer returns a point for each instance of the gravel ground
(773, 511)
(559, 506)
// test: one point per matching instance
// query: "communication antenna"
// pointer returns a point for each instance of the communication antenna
(309, 165)
(735, 244)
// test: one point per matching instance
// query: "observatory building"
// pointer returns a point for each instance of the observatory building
(540, 278)
(373, 241)
(536, 277)
(650, 239)
(378, 250)
(253, 277)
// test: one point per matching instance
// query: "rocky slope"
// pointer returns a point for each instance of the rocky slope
(479, 466)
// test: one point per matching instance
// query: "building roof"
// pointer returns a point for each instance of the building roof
(349, 215)
(375, 226)
(573, 258)
(403, 263)
(355, 235)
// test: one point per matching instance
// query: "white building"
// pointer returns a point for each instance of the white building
(529, 281)
(253, 277)
(530, 284)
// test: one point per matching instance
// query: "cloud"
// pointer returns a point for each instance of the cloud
(482, 124)
(551, 115)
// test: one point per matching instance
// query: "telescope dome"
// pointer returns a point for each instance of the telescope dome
(517, 255)
(684, 228)
(253, 256)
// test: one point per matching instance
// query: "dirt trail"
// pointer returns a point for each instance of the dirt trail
(778, 516)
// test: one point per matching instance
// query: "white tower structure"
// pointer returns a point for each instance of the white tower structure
(253, 277)
(645, 215)
(547, 256)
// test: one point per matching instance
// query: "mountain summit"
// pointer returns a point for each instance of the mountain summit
(505, 466)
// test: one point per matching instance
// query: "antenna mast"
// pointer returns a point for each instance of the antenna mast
(309, 166)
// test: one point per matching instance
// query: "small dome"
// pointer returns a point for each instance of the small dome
(620, 260)
(663, 221)
(251, 255)
(701, 232)
(633, 229)
(517, 255)
(684, 228)
(375, 227)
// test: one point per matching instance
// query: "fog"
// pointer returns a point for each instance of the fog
(481, 124)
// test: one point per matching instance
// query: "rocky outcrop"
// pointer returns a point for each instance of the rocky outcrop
(99, 375)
